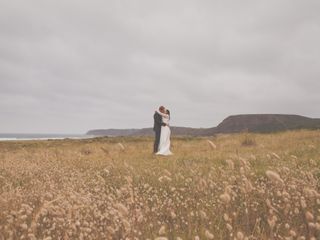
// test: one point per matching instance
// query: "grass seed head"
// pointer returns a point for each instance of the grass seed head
(274, 177)
(208, 234)
(212, 145)
(225, 198)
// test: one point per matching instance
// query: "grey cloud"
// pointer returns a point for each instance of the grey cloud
(73, 65)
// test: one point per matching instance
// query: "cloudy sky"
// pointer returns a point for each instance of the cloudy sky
(67, 66)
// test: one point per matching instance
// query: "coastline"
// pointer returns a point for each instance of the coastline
(40, 137)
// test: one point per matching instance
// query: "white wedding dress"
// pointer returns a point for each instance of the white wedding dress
(164, 144)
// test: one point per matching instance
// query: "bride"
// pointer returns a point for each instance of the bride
(164, 145)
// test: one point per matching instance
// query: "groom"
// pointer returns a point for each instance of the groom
(157, 128)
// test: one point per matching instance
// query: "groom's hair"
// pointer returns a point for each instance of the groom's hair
(161, 108)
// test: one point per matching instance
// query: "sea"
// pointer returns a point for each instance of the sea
(37, 136)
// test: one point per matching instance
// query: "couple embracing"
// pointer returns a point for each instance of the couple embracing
(162, 132)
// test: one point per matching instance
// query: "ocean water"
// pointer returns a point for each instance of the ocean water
(36, 136)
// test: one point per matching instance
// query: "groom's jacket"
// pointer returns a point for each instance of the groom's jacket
(157, 122)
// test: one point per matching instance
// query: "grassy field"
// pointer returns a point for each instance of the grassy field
(243, 186)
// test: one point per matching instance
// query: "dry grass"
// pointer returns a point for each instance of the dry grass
(248, 140)
(116, 189)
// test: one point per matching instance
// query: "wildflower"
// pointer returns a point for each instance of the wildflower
(225, 197)
(240, 235)
(126, 224)
(162, 230)
(274, 177)
(166, 172)
(310, 192)
(140, 218)
(121, 146)
(311, 225)
(208, 235)
(31, 236)
(243, 162)
(303, 203)
(122, 209)
(276, 156)
(212, 145)
(24, 226)
(230, 164)
(292, 233)
(164, 178)
(248, 185)
(229, 227)
(203, 215)
(272, 221)
(111, 230)
(309, 216)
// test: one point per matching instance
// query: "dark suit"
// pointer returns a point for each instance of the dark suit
(157, 129)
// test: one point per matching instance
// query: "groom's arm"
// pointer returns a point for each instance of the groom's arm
(158, 119)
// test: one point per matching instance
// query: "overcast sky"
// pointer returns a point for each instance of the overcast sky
(67, 66)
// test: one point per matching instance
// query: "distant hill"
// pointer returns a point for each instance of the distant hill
(266, 123)
(261, 123)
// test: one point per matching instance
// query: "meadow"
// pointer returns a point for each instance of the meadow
(239, 186)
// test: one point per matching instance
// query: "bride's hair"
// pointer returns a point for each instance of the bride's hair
(168, 112)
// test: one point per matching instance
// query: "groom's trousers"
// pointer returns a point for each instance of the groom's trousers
(156, 140)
